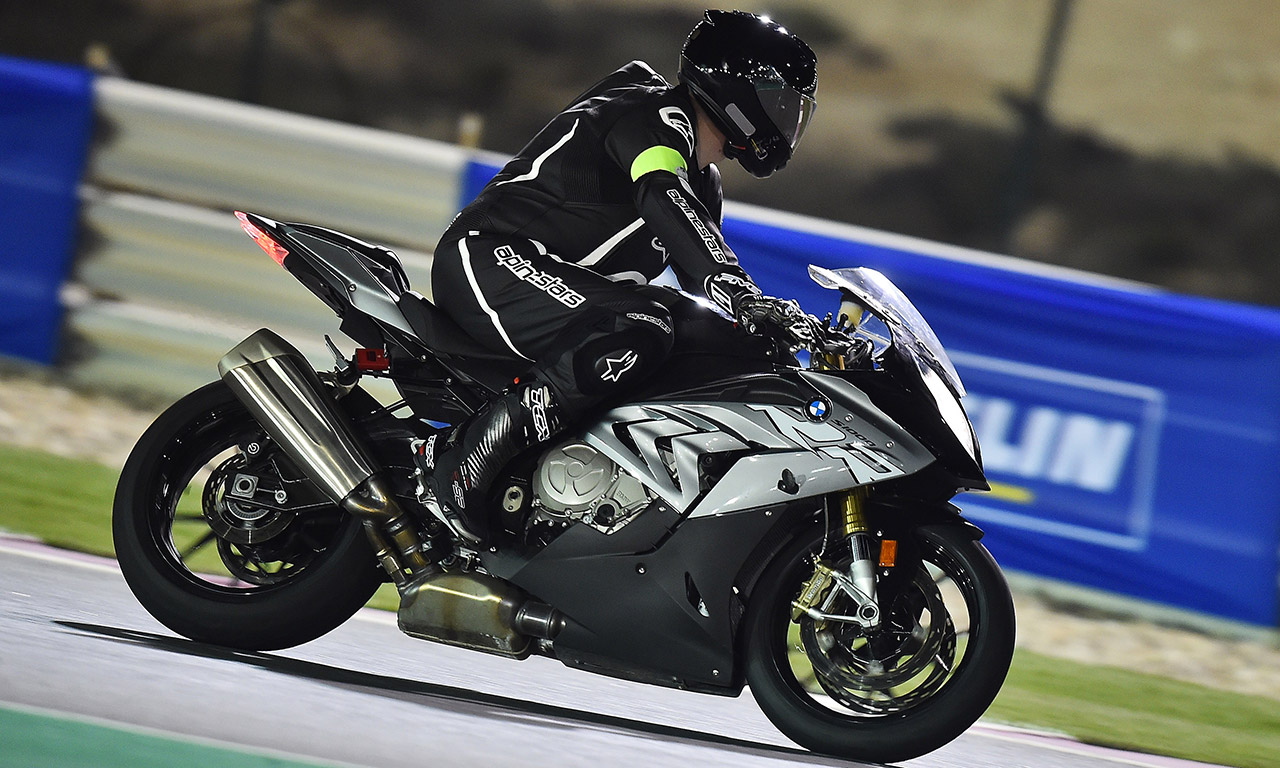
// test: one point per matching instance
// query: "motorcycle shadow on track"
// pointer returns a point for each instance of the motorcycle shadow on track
(444, 697)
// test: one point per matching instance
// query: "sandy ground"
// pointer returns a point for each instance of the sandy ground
(1189, 78)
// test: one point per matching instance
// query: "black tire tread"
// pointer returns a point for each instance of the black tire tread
(911, 734)
(317, 600)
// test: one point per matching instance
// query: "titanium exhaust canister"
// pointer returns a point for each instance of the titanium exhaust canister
(286, 397)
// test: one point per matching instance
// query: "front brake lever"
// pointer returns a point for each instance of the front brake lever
(857, 351)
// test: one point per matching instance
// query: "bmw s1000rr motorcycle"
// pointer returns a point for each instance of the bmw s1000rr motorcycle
(742, 520)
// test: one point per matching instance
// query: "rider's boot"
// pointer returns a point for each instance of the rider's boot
(463, 469)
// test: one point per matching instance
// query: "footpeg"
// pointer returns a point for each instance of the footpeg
(423, 454)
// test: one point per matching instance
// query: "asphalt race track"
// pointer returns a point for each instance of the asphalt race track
(73, 640)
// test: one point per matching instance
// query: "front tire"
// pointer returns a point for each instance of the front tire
(898, 692)
(214, 564)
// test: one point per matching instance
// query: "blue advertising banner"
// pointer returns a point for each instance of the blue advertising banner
(46, 121)
(1132, 437)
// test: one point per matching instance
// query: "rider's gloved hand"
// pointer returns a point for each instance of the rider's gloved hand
(759, 314)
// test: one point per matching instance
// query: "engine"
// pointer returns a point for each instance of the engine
(576, 483)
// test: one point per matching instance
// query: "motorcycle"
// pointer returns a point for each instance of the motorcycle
(742, 520)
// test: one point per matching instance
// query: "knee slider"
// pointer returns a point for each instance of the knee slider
(641, 340)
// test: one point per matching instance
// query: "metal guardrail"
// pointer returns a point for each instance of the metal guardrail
(223, 154)
(165, 281)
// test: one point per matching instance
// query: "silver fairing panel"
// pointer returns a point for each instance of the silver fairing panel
(661, 445)
(342, 267)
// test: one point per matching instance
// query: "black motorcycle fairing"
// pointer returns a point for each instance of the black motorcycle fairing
(662, 606)
(304, 265)
(644, 534)
(766, 388)
(371, 288)
(900, 391)
(347, 274)
(382, 262)
(307, 273)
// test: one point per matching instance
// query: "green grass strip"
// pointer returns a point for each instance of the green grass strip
(63, 502)
(1118, 708)
(33, 740)
(67, 503)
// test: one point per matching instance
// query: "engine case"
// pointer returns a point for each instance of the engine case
(574, 482)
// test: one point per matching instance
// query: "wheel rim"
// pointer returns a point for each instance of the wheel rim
(222, 539)
(925, 639)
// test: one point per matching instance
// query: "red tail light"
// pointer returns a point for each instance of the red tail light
(276, 251)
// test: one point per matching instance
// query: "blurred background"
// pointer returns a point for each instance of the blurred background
(1132, 143)
(1129, 139)
(1123, 152)
(1126, 137)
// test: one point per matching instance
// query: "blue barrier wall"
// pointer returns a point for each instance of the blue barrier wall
(46, 120)
(1132, 436)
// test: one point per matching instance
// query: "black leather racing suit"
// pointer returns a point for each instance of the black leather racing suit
(544, 262)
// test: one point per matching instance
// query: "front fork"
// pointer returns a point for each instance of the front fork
(817, 596)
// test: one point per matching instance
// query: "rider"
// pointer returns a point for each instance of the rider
(617, 187)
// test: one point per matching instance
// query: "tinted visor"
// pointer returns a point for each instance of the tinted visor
(788, 109)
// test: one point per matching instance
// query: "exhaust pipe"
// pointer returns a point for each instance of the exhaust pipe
(476, 611)
(284, 394)
(472, 610)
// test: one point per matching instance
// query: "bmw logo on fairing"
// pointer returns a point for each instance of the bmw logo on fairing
(817, 409)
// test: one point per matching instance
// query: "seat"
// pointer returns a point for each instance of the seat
(441, 335)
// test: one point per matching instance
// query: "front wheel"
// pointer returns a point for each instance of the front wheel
(904, 688)
(223, 541)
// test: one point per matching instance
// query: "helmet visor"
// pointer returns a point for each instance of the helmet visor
(788, 109)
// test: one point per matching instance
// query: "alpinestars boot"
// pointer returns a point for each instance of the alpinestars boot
(463, 468)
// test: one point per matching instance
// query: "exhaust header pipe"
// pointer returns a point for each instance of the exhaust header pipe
(284, 394)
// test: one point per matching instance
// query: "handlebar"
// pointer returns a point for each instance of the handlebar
(836, 347)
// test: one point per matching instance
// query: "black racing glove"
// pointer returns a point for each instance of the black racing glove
(761, 314)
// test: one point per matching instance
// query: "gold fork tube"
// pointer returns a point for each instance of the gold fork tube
(855, 520)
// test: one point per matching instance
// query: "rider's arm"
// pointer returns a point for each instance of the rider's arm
(699, 256)
(657, 154)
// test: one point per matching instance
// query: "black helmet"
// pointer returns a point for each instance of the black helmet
(756, 81)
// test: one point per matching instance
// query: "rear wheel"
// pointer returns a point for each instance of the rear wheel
(915, 682)
(222, 540)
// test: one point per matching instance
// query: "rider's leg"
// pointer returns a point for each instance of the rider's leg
(590, 340)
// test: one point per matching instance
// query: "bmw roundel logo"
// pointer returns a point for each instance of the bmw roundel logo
(817, 409)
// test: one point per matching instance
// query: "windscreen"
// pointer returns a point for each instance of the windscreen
(911, 334)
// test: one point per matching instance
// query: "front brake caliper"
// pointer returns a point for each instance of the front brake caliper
(814, 590)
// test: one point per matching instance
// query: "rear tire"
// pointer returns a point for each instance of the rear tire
(893, 723)
(302, 576)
